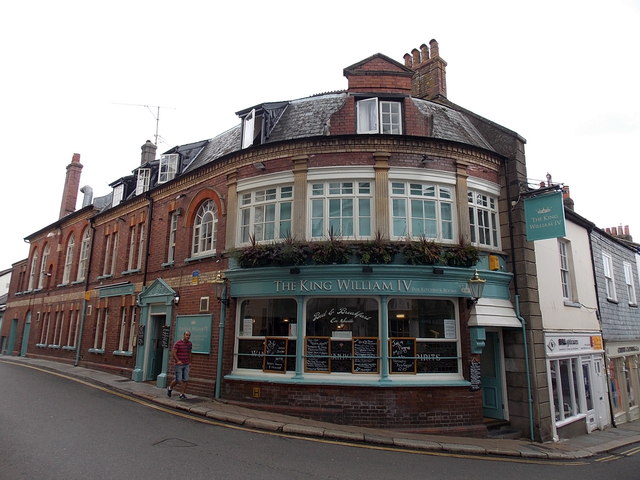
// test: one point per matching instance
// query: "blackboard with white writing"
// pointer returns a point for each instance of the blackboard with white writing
(365, 355)
(275, 351)
(341, 354)
(251, 354)
(316, 354)
(402, 350)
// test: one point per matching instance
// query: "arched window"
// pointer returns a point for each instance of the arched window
(204, 229)
(32, 272)
(68, 260)
(84, 256)
(43, 266)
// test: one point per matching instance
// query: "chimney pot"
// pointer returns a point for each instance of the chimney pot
(416, 57)
(407, 60)
(435, 50)
(424, 52)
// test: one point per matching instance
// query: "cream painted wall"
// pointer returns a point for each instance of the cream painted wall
(556, 315)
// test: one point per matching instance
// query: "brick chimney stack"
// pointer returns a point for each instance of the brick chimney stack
(566, 197)
(429, 80)
(148, 152)
(620, 232)
(71, 184)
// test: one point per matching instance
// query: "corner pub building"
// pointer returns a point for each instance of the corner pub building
(320, 252)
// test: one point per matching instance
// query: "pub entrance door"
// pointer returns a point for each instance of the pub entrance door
(491, 369)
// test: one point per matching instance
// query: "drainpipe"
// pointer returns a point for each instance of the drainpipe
(146, 247)
(223, 315)
(83, 310)
(526, 363)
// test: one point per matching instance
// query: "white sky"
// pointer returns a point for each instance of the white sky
(564, 74)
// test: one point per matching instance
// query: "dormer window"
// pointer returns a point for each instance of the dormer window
(259, 121)
(379, 116)
(144, 177)
(118, 195)
(168, 167)
(248, 129)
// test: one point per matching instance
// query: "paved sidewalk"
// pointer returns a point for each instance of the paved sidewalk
(584, 446)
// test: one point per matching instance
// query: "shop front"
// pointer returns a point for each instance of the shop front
(623, 359)
(387, 346)
(577, 379)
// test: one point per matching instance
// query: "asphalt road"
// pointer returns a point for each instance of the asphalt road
(55, 428)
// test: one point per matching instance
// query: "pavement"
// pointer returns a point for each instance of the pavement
(597, 443)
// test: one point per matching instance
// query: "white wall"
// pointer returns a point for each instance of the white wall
(556, 314)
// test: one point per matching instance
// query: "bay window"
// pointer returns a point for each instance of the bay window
(343, 208)
(483, 217)
(266, 214)
(423, 210)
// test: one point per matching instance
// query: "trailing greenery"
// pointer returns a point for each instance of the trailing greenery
(377, 251)
(424, 251)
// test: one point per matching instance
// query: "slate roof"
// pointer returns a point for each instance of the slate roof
(309, 117)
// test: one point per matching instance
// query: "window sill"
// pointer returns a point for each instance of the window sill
(41, 345)
(96, 350)
(633, 305)
(167, 265)
(569, 303)
(364, 379)
(62, 285)
(131, 272)
(69, 349)
(55, 347)
(612, 300)
(104, 277)
(200, 257)
(77, 282)
(122, 353)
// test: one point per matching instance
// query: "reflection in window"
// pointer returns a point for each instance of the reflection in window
(434, 326)
(422, 210)
(342, 317)
(261, 318)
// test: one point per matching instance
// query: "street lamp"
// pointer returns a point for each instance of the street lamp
(220, 285)
(476, 287)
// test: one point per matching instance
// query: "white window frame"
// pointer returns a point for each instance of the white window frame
(484, 219)
(143, 180)
(403, 192)
(173, 231)
(43, 266)
(628, 280)
(68, 260)
(375, 116)
(265, 214)
(609, 280)
(32, 274)
(168, 167)
(132, 247)
(248, 126)
(84, 256)
(566, 269)
(141, 242)
(205, 229)
(118, 195)
(329, 205)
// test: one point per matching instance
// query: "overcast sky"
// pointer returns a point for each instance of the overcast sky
(75, 76)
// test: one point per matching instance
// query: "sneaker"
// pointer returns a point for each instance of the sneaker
(182, 396)
(168, 392)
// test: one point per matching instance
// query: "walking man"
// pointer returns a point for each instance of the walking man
(181, 355)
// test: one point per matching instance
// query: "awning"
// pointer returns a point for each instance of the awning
(493, 312)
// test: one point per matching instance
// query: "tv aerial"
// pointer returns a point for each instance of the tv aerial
(155, 115)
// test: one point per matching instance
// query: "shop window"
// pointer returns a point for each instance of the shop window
(429, 329)
(342, 336)
(571, 386)
(423, 210)
(267, 333)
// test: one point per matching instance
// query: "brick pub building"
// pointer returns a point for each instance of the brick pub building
(320, 252)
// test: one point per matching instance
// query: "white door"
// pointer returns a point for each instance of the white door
(594, 389)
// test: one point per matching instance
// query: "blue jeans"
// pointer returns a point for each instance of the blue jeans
(182, 373)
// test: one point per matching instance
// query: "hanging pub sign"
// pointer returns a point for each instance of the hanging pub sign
(544, 216)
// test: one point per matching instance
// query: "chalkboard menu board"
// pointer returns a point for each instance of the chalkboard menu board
(341, 352)
(275, 351)
(475, 376)
(165, 336)
(251, 354)
(316, 354)
(437, 357)
(402, 350)
(365, 355)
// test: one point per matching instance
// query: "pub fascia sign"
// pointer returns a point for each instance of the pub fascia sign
(368, 286)
(544, 216)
